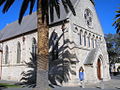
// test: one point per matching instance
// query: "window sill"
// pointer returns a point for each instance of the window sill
(8, 65)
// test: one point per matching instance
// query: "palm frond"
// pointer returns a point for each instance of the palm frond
(2, 2)
(56, 4)
(117, 25)
(23, 9)
(53, 4)
(51, 12)
(117, 16)
(117, 21)
(44, 6)
(65, 6)
(118, 29)
(32, 3)
(71, 7)
(57, 8)
(7, 5)
(118, 11)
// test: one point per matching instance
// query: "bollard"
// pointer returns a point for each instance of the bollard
(102, 84)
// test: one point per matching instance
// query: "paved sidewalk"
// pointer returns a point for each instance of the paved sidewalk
(78, 88)
(113, 84)
(8, 82)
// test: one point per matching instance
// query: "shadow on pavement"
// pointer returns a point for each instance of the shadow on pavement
(115, 77)
(2, 87)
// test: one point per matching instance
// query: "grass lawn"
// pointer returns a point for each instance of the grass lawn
(9, 85)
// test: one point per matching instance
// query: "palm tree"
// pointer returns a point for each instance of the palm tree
(42, 24)
(117, 21)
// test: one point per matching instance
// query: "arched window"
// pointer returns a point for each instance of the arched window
(96, 43)
(18, 52)
(34, 47)
(88, 17)
(80, 37)
(54, 43)
(85, 38)
(89, 40)
(6, 54)
(93, 44)
(100, 39)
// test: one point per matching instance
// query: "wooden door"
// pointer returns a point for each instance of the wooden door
(99, 69)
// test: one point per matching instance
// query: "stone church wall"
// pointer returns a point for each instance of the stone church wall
(68, 48)
(12, 70)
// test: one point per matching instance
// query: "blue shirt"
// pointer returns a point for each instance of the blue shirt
(81, 76)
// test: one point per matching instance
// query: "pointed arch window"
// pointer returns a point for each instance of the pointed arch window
(100, 39)
(6, 54)
(89, 40)
(34, 48)
(96, 41)
(18, 52)
(80, 37)
(88, 17)
(85, 38)
(93, 44)
(55, 46)
(54, 43)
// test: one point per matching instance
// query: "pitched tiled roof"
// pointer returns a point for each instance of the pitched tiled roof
(28, 23)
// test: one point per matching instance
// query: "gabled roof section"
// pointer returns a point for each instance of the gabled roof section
(29, 23)
(63, 13)
(91, 57)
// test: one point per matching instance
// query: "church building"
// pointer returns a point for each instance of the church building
(74, 42)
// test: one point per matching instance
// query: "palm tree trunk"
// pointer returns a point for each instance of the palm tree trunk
(42, 57)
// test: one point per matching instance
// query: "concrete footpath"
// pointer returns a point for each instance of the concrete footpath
(77, 88)
(113, 84)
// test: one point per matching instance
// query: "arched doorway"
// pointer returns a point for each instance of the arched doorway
(99, 69)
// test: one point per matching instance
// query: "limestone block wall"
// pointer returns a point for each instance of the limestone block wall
(79, 19)
(81, 30)
(66, 54)
(12, 70)
(106, 59)
(82, 39)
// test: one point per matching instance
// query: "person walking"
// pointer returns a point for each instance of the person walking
(81, 76)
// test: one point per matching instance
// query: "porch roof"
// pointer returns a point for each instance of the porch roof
(91, 57)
